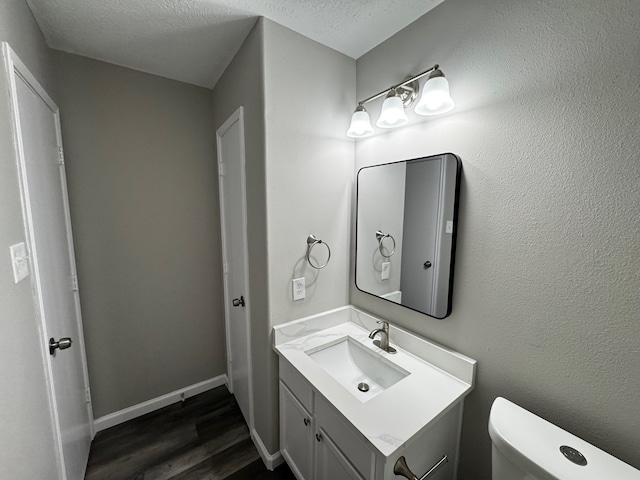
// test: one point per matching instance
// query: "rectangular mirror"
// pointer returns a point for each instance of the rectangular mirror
(406, 228)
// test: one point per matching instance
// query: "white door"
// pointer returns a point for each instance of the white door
(53, 274)
(233, 218)
(419, 239)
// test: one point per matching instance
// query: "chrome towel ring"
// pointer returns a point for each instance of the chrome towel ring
(312, 241)
(380, 235)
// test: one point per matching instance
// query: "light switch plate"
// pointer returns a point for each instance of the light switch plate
(449, 227)
(298, 289)
(385, 270)
(19, 261)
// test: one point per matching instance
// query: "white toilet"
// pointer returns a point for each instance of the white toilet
(527, 447)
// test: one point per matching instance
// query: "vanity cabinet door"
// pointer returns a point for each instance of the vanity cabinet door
(296, 435)
(331, 464)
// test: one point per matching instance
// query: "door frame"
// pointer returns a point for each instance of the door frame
(14, 66)
(236, 117)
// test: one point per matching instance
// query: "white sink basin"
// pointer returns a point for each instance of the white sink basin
(361, 371)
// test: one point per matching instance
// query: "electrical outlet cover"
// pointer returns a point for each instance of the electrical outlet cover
(385, 270)
(298, 289)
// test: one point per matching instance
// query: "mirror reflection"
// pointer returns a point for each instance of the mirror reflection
(406, 232)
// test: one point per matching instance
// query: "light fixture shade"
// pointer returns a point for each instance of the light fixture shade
(360, 124)
(392, 114)
(435, 97)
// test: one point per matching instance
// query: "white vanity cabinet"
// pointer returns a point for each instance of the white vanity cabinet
(296, 434)
(313, 439)
(330, 462)
(319, 444)
(330, 429)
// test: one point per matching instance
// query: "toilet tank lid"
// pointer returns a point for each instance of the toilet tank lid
(534, 444)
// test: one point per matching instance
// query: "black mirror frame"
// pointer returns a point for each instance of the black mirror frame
(453, 238)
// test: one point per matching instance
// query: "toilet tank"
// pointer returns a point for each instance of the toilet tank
(527, 447)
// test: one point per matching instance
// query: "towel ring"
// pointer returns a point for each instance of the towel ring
(380, 235)
(312, 241)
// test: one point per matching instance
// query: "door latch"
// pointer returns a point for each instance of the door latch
(238, 302)
(62, 344)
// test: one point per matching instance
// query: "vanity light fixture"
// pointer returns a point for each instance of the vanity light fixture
(435, 95)
(435, 100)
(360, 123)
(392, 114)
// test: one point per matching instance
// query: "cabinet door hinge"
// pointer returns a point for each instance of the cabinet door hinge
(60, 156)
(87, 395)
(74, 283)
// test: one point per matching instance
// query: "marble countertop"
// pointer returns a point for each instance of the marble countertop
(438, 378)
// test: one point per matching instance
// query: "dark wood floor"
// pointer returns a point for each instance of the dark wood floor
(204, 437)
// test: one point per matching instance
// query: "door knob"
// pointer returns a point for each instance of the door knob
(238, 302)
(427, 264)
(62, 344)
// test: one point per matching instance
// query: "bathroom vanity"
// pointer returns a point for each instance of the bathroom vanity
(349, 410)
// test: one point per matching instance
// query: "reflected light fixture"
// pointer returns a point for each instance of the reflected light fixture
(435, 100)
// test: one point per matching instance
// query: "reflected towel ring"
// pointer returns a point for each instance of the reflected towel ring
(380, 235)
(312, 241)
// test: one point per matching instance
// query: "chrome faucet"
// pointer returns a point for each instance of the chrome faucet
(383, 343)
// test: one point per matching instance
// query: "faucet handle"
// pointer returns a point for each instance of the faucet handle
(385, 327)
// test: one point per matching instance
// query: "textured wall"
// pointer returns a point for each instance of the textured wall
(143, 196)
(25, 422)
(546, 282)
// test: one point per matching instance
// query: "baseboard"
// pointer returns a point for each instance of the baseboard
(270, 461)
(157, 403)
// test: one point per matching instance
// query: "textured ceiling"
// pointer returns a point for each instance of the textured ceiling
(194, 40)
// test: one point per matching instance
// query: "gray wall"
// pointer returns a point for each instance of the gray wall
(26, 432)
(309, 170)
(546, 282)
(243, 84)
(309, 178)
(381, 195)
(299, 178)
(144, 209)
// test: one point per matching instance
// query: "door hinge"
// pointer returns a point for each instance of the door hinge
(60, 156)
(87, 395)
(74, 283)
